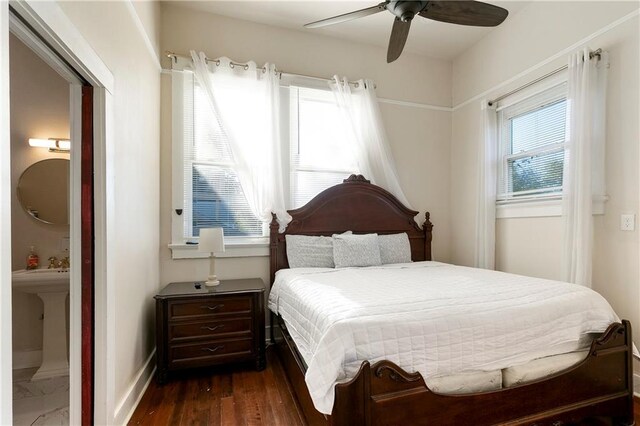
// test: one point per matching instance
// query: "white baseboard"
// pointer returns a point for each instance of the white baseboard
(128, 403)
(27, 359)
(132, 397)
(636, 385)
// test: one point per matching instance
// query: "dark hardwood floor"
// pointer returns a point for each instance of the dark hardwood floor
(228, 396)
(221, 396)
(636, 409)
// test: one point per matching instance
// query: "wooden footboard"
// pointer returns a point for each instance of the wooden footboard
(600, 387)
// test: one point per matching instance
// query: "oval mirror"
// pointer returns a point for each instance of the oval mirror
(43, 191)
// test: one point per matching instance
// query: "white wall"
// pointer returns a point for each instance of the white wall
(39, 109)
(6, 397)
(419, 137)
(114, 34)
(535, 35)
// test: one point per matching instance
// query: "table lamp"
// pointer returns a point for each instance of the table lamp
(211, 241)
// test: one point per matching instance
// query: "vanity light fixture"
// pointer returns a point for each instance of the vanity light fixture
(211, 241)
(53, 144)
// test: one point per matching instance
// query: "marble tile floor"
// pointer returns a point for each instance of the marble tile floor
(43, 402)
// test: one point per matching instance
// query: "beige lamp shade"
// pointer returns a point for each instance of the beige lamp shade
(211, 240)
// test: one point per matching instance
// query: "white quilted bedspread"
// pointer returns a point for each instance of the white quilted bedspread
(430, 317)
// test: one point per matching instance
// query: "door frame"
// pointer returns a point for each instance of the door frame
(58, 34)
(6, 362)
(87, 271)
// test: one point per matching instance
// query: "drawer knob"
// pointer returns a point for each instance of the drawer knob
(217, 348)
(212, 308)
(214, 328)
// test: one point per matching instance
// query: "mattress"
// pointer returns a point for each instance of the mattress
(483, 381)
(540, 368)
(469, 382)
(438, 319)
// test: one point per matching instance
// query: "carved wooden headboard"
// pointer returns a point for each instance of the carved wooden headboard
(354, 205)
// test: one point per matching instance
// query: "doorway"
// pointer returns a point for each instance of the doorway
(55, 382)
(40, 229)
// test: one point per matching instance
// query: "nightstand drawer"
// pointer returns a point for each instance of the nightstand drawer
(210, 351)
(209, 329)
(212, 307)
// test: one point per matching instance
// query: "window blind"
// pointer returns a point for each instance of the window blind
(322, 149)
(532, 139)
(213, 196)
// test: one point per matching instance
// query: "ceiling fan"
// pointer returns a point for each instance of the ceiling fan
(474, 13)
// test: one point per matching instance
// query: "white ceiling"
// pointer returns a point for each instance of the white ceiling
(427, 37)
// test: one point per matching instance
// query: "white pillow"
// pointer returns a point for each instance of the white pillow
(356, 250)
(305, 251)
(394, 248)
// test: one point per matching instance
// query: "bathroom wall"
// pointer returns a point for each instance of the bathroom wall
(39, 109)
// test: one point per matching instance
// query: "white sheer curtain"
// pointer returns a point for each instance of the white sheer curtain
(487, 189)
(361, 113)
(246, 102)
(583, 163)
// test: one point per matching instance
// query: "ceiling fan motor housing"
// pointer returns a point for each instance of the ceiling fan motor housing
(405, 10)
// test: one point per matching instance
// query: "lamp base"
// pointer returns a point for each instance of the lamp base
(212, 281)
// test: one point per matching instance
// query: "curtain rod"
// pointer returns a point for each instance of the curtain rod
(595, 54)
(175, 56)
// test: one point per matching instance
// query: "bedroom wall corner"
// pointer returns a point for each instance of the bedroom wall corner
(420, 137)
(147, 15)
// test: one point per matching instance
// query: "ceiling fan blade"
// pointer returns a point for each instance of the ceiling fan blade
(461, 12)
(398, 38)
(347, 16)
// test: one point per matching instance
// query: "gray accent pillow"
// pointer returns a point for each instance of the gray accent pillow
(394, 248)
(356, 250)
(305, 251)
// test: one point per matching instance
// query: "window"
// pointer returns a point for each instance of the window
(212, 194)
(321, 152)
(531, 134)
(317, 153)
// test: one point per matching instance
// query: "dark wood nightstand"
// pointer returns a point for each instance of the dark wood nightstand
(199, 326)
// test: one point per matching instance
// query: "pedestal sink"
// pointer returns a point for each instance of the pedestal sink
(52, 286)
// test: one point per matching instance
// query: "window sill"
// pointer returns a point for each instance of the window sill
(541, 208)
(249, 247)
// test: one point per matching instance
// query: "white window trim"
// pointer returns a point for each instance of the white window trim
(234, 247)
(541, 207)
(177, 179)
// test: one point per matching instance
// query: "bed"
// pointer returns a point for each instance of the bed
(597, 384)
